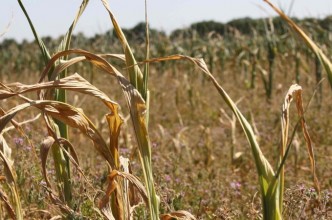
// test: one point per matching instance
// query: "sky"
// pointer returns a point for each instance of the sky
(53, 17)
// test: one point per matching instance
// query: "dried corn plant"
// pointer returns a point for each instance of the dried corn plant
(61, 160)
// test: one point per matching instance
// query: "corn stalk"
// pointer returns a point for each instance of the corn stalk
(61, 161)
(138, 103)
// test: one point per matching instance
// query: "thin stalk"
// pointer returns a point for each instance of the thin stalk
(146, 93)
(297, 67)
(147, 55)
(318, 71)
(270, 81)
(253, 56)
(62, 174)
(46, 54)
(271, 59)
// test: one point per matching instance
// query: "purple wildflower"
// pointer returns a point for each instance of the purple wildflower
(235, 185)
(43, 183)
(18, 141)
(168, 178)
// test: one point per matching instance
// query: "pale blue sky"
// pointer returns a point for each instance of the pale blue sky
(52, 18)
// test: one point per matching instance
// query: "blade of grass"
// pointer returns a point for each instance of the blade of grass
(45, 53)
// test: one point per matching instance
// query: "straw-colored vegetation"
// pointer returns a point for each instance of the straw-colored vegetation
(135, 124)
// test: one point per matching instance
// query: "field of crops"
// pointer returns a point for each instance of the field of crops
(216, 121)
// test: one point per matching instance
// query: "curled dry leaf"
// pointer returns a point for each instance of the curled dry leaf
(114, 124)
(284, 133)
(74, 82)
(310, 146)
(95, 59)
(64, 64)
(112, 187)
(295, 92)
(9, 208)
(116, 208)
(68, 115)
(44, 151)
(5, 157)
(131, 198)
(6, 150)
(135, 182)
